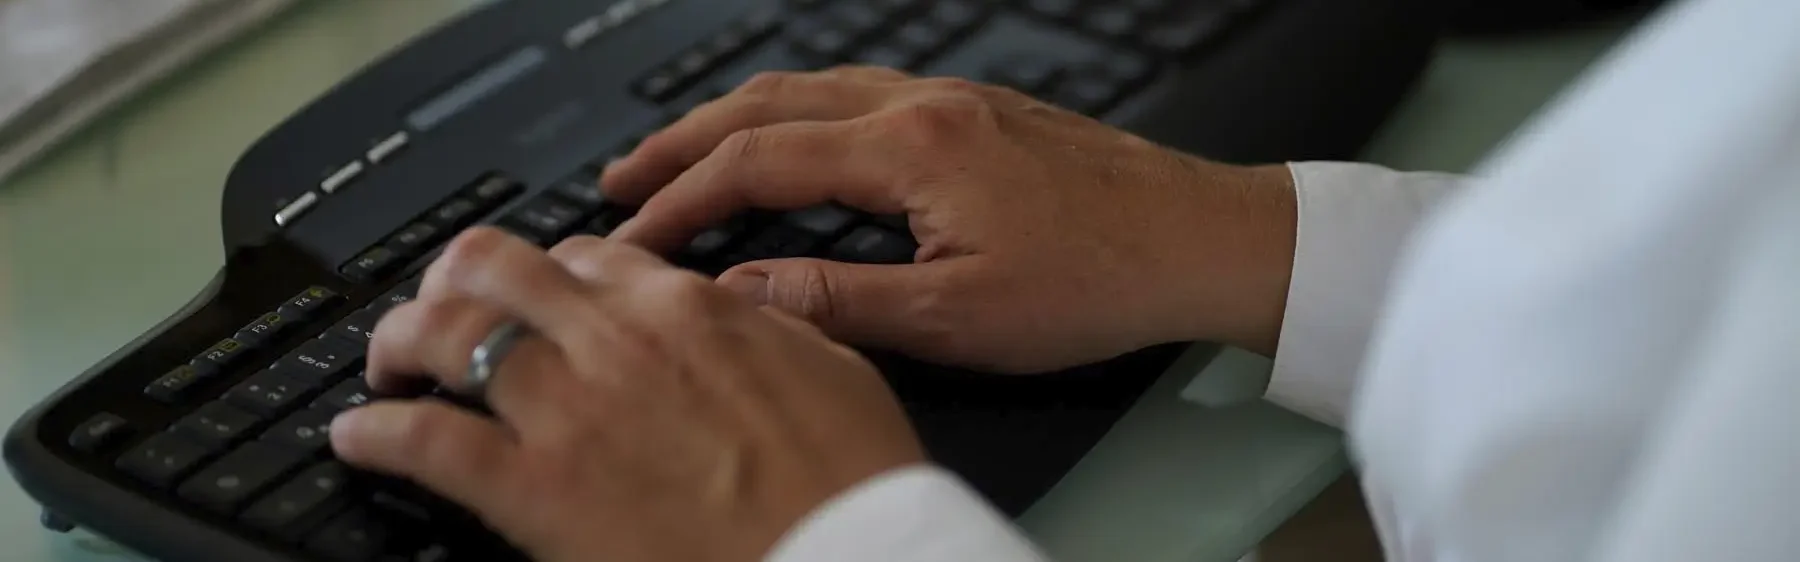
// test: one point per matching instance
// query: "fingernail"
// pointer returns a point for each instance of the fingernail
(752, 285)
(362, 423)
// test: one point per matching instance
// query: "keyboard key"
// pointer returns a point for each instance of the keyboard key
(262, 329)
(306, 432)
(856, 18)
(174, 385)
(221, 355)
(371, 264)
(1186, 32)
(294, 506)
(888, 56)
(455, 213)
(547, 217)
(357, 328)
(1032, 73)
(401, 293)
(216, 424)
(609, 219)
(1127, 67)
(582, 190)
(268, 393)
(713, 240)
(319, 360)
(349, 394)
(1147, 8)
(920, 37)
(1085, 94)
(821, 220)
(493, 190)
(777, 241)
(874, 245)
(163, 458)
(413, 239)
(354, 536)
(308, 302)
(956, 14)
(900, 223)
(1058, 9)
(99, 432)
(1112, 21)
(225, 485)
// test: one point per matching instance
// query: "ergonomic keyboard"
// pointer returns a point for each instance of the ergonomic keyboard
(205, 439)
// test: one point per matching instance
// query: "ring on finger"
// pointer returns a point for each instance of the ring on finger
(487, 356)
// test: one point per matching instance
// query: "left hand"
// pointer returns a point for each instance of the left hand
(646, 415)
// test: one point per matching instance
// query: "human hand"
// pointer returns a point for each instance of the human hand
(1047, 239)
(647, 415)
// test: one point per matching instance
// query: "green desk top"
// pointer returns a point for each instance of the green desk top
(112, 232)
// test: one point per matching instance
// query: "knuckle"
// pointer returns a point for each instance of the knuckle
(743, 145)
(768, 81)
(940, 121)
(816, 288)
(466, 253)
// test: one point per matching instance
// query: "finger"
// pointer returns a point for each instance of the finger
(597, 261)
(434, 340)
(467, 459)
(785, 166)
(767, 99)
(889, 306)
(494, 266)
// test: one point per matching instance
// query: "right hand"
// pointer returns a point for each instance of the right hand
(1047, 239)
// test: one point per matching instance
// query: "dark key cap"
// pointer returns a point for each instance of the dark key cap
(354, 536)
(888, 56)
(163, 458)
(319, 360)
(546, 216)
(357, 328)
(900, 223)
(920, 37)
(99, 432)
(660, 85)
(401, 293)
(1033, 73)
(306, 432)
(874, 245)
(1113, 21)
(292, 508)
(1147, 8)
(216, 424)
(830, 43)
(1085, 94)
(225, 485)
(610, 218)
(175, 384)
(777, 241)
(821, 220)
(582, 190)
(494, 190)
(1186, 32)
(856, 18)
(370, 264)
(1126, 66)
(349, 394)
(268, 393)
(263, 329)
(713, 240)
(309, 301)
(221, 355)
(956, 14)
(455, 213)
(1059, 9)
(414, 238)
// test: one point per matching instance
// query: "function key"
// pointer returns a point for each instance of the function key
(415, 237)
(319, 359)
(99, 432)
(357, 328)
(494, 189)
(268, 393)
(224, 486)
(162, 459)
(455, 213)
(174, 385)
(874, 245)
(292, 506)
(307, 302)
(217, 424)
(306, 432)
(263, 329)
(351, 393)
(221, 355)
(371, 264)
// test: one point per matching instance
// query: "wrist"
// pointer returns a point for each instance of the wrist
(1237, 259)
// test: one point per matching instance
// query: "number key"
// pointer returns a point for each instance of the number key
(268, 393)
(306, 432)
(318, 360)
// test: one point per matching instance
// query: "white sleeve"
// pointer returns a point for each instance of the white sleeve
(916, 514)
(1353, 220)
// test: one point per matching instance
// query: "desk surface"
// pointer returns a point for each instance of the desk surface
(115, 230)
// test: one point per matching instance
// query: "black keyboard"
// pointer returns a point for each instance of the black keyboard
(205, 439)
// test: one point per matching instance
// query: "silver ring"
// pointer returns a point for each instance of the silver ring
(487, 356)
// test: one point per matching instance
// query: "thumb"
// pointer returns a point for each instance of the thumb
(882, 305)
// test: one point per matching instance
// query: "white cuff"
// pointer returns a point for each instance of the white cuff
(920, 513)
(1353, 221)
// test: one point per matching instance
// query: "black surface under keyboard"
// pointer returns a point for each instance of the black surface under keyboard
(225, 444)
